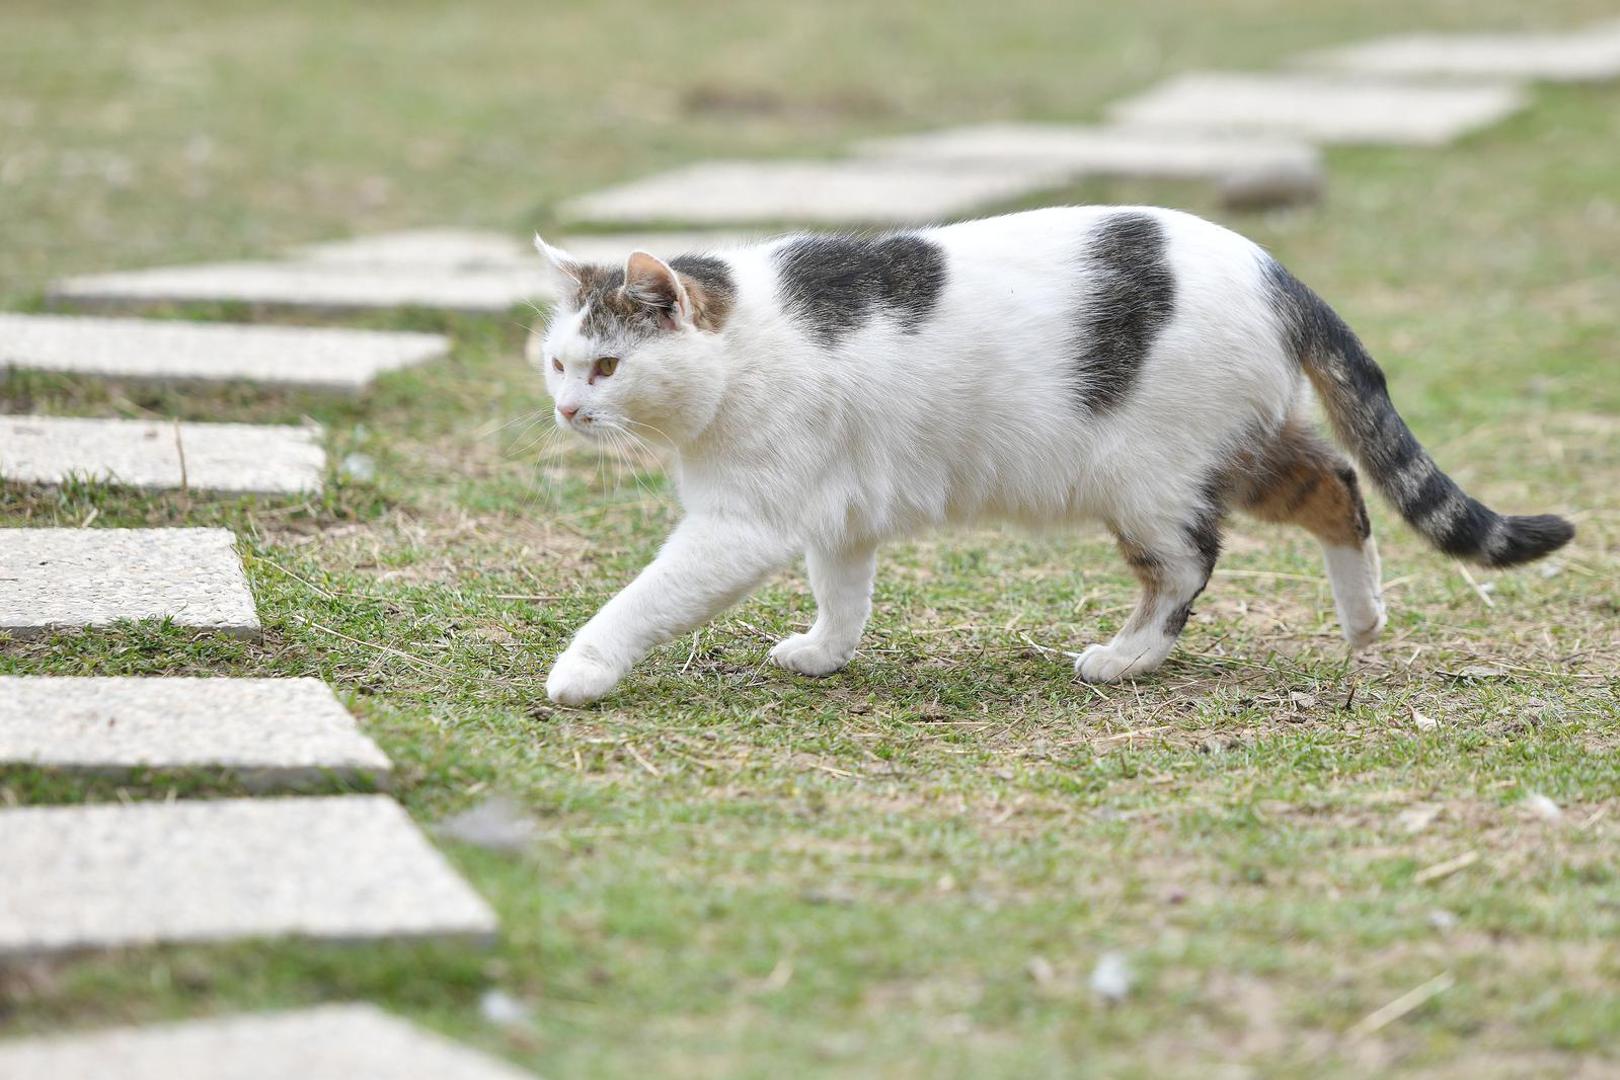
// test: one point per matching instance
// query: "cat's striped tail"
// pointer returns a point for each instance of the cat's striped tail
(1352, 390)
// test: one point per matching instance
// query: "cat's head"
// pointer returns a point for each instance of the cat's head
(635, 348)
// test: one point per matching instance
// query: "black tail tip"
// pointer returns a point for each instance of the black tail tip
(1522, 539)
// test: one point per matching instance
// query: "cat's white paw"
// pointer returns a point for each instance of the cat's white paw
(1105, 663)
(577, 678)
(1360, 638)
(807, 655)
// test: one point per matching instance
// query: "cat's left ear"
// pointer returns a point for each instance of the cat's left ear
(652, 283)
(567, 271)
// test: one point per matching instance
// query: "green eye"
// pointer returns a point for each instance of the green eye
(606, 366)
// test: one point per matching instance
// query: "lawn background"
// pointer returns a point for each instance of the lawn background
(910, 868)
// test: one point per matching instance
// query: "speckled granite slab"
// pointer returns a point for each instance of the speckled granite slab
(337, 868)
(327, 1042)
(63, 578)
(268, 733)
(327, 359)
(155, 455)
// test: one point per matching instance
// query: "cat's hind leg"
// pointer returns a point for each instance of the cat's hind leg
(1300, 479)
(842, 583)
(1173, 560)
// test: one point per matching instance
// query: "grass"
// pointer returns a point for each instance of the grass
(910, 868)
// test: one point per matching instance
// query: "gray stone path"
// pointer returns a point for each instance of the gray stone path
(806, 193)
(1587, 55)
(1099, 151)
(268, 733)
(330, 286)
(60, 578)
(447, 248)
(338, 868)
(326, 1042)
(1326, 108)
(154, 455)
(325, 359)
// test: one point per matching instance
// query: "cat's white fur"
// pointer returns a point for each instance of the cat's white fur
(783, 446)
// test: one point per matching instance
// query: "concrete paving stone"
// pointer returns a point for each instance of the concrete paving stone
(319, 286)
(343, 868)
(448, 248)
(269, 733)
(275, 459)
(343, 1041)
(1588, 55)
(451, 249)
(808, 193)
(614, 248)
(63, 578)
(1324, 108)
(332, 360)
(1100, 151)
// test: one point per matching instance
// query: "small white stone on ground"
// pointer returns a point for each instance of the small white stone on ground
(496, 824)
(1326, 108)
(156, 455)
(64, 578)
(323, 286)
(1590, 54)
(328, 1042)
(1099, 151)
(808, 193)
(1111, 978)
(1269, 185)
(269, 733)
(165, 350)
(338, 868)
(1542, 807)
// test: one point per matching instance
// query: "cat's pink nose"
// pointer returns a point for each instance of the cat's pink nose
(568, 411)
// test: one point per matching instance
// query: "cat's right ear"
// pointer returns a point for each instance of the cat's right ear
(568, 271)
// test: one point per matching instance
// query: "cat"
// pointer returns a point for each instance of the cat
(822, 394)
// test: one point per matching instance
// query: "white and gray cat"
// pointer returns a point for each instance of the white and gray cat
(822, 394)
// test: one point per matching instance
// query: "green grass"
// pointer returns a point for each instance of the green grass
(912, 867)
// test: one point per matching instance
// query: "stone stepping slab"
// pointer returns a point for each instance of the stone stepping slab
(158, 455)
(1588, 55)
(316, 286)
(343, 868)
(268, 733)
(324, 359)
(62, 578)
(327, 1042)
(1323, 108)
(451, 249)
(1100, 151)
(807, 193)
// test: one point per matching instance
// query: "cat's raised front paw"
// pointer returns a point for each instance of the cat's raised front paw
(1105, 663)
(576, 679)
(807, 655)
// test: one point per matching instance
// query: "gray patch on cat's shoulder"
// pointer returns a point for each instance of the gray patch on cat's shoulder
(835, 284)
(1130, 297)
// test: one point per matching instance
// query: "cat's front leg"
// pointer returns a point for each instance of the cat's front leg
(842, 582)
(706, 565)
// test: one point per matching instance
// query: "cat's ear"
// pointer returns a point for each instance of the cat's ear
(568, 271)
(650, 282)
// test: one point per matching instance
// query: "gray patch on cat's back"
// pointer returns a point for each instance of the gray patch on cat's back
(1130, 297)
(835, 284)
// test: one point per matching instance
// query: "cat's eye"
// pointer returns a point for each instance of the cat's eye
(556, 365)
(606, 366)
